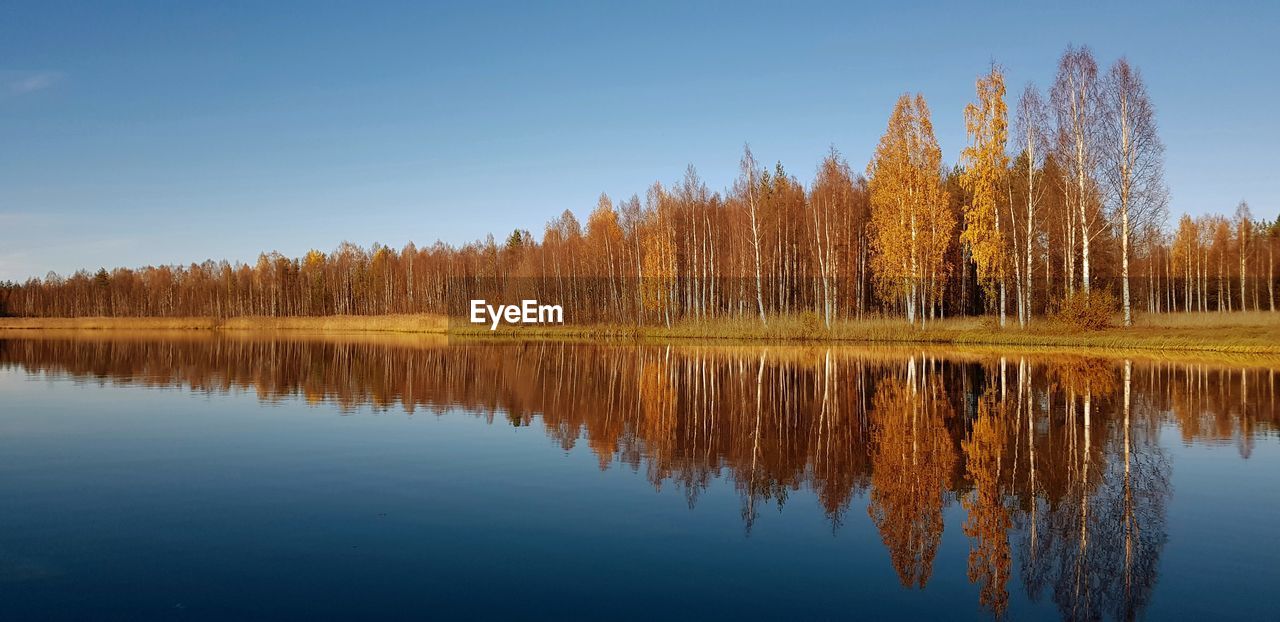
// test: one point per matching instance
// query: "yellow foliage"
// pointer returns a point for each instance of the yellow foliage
(986, 164)
(909, 216)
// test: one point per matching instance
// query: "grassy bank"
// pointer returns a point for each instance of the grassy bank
(1238, 333)
(433, 324)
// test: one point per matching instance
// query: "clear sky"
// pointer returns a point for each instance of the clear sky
(139, 133)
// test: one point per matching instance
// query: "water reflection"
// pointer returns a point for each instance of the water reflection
(1055, 461)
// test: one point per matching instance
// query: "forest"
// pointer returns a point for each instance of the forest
(1060, 203)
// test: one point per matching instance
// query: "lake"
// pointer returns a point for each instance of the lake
(193, 476)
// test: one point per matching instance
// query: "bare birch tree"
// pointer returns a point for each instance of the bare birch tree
(1133, 161)
(1075, 100)
(1244, 225)
(1031, 125)
(750, 190)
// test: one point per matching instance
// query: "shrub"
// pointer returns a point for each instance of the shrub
(810, 324)
(1093, 311)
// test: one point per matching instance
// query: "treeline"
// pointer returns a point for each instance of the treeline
(1063, 204)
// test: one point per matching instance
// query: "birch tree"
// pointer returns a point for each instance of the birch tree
(1031, 126)
(1075, 101)
(1244, 225)
(831, 196)
(750, 191)
(912, 227)
(1133, 160)
(985, 162)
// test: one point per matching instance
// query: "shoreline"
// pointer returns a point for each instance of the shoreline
(427, 324)
(1242, 333)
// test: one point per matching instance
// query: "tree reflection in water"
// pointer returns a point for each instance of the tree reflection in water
(1054, 457)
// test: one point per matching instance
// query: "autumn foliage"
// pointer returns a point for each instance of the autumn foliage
(1076, 202)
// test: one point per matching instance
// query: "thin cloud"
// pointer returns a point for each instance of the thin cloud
(31, 82)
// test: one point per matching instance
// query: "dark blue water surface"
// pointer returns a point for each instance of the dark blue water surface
(237, 478)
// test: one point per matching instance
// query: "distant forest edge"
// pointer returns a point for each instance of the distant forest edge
(1068, 212)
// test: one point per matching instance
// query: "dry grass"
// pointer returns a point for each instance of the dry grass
(1248, 333)
(1242, 334)
(437, 324)
(336, 323)
(108, 323)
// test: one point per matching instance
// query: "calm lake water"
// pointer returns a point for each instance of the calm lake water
(217, 478)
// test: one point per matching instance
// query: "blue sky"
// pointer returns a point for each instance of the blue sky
(170, 132)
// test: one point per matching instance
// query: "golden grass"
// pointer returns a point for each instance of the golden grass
(108, 323)
(337, 323)
(1242, 334)
(1247, 333)
(436, 324)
